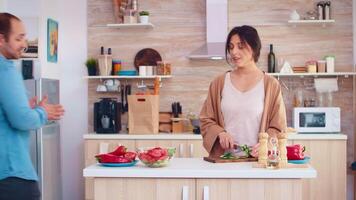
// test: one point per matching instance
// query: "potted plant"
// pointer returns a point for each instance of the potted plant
(91, 64)
(144, 17)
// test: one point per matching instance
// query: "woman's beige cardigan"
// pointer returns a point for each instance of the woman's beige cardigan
(211, 119)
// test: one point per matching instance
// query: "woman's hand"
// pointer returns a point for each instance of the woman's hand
(226, 140)
(255, 149)
(54, 111)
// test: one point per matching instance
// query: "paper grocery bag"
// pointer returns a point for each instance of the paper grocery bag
(143, 114)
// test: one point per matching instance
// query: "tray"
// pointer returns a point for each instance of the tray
(304, 161)
(119, 164)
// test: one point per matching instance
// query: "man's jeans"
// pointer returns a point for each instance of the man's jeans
(13, 188)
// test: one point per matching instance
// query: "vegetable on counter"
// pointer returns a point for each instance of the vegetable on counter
(228, 155)
(120, 155)
(295, 152)
(246, 149)
(240, 151)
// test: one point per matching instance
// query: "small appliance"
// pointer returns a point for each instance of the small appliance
(107, 116)
(317, 119)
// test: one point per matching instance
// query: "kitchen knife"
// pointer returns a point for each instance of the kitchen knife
(127, 92)
(175, 109)
(122, 88)
(179, 108)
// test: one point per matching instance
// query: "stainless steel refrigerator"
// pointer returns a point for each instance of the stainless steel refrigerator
(45, 142)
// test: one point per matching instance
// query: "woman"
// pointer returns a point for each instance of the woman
(242, 102)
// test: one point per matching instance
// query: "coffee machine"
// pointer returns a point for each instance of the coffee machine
(107, 116)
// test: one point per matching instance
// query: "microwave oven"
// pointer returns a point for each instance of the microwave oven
(316, 119)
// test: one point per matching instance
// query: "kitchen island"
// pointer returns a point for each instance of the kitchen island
(327, 152)
(194, 178)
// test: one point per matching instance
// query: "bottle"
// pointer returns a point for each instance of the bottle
(108, 62)
(327, 10)
(102, 62)
(134, 11)
(271, 60)
(273, 157)
(320, 7)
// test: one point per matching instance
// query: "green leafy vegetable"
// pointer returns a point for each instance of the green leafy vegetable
(246, 149)
(228, 155)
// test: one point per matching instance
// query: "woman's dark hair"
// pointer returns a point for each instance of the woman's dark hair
(5, 23)
(247, 35)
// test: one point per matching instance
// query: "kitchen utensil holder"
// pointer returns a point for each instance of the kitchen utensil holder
(178, 124)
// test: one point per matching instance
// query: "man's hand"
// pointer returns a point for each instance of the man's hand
(33, 102)
(54, 111)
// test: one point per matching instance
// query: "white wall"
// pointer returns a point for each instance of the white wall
(2, 5)
(74, 97)
(354, 26)
(350, 177)
(48, 9)
(28, 11)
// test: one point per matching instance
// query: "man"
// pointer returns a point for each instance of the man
(18, 179)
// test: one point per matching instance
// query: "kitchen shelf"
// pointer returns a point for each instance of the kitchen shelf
(128, 26)
(346, 74)
(311, 22)
(128, 77)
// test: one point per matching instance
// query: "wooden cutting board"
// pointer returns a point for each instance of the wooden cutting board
(219, 160)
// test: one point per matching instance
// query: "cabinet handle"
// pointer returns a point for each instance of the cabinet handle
(206, 193)
(103, 147)
(185, 193)
(191, 147)
(181, 150)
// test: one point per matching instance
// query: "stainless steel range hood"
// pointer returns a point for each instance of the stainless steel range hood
(216, 32)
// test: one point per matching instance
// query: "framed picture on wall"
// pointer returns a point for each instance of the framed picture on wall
(52, 41)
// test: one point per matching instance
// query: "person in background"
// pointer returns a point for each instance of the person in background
(18, 115)
(242, 102)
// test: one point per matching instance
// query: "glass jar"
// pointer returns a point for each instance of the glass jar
(311, 66)
(167, 69)
(321, 66)
(273, 157)
(160, 68)
(298, 98)
(116, 66)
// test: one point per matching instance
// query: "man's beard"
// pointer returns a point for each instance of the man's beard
(10, 53)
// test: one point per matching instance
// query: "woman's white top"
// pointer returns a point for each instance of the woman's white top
(242, 111)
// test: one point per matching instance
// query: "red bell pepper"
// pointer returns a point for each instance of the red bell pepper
(110, 158)
(119, 151)
(295, 152)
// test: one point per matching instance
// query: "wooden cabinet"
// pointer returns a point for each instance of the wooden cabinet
(328, 157)
(200, 189)
(94, 147)
(249, 189)
(184, 148)
(140, 188)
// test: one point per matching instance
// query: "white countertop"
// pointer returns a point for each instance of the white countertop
(197, 168)
(190, 136)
